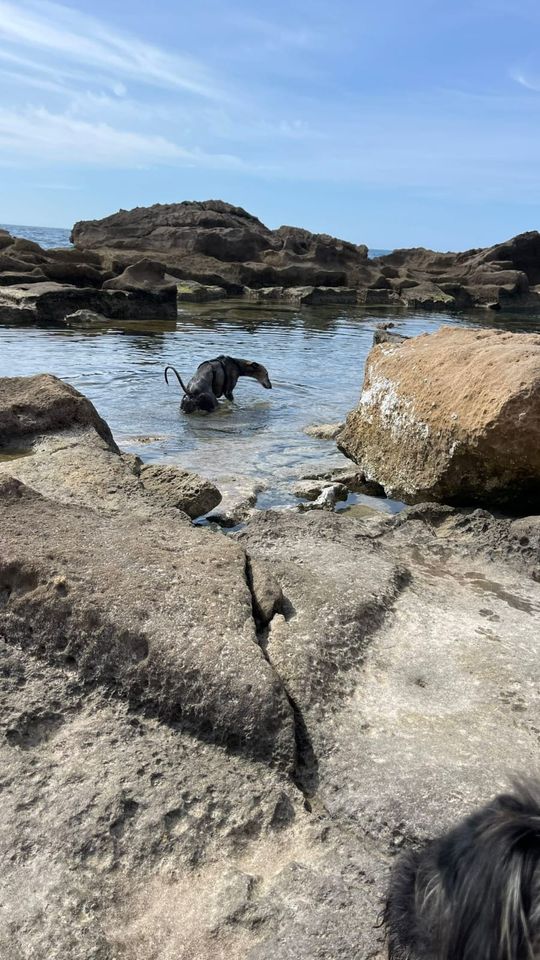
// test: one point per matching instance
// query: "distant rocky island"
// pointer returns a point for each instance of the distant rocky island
(140, 263)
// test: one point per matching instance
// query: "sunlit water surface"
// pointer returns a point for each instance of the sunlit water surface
(315, 358)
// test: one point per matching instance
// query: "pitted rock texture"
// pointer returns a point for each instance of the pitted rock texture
(31, 406)
(157, 609)
(211, 747)
(451, 416)
(214, 242)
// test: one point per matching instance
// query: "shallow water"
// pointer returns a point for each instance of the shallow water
(315, 358)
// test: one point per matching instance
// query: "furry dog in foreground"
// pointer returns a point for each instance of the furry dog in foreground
(474, 893)
(217, 378)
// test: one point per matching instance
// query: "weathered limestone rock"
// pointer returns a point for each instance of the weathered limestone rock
(35, 303)
(218, 244)
(179, 488)
(330, 607)
(76, 274)
(309, 489)
(182, 640)
(238, 499)
(428, 296)
(159, 681)
(451, 416)
(351, 477)
(324, 431)
(418, 688)
(146, 275)
(329, 495)
(71, 455)
(85, 318)
(319, 296)
(31, 406)
(189, 291)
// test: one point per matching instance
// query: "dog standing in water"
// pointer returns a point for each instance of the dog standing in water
(217, 378)
(474, 893)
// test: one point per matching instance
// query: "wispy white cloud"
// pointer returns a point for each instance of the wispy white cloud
(39, 135)
(84, 40)
(524, 81)
(276, 35)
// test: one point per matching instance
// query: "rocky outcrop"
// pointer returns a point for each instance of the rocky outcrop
(452, 416)
(40, 286)
(504, 275)
(42, 303)
(62, 448)
(215, 243)
(211, 249)
(407, 724)
(238, 500)
(189, 291)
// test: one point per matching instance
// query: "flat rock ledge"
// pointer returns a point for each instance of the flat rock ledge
(213, 746)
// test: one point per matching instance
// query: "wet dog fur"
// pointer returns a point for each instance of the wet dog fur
(474, 893)
(217, 378)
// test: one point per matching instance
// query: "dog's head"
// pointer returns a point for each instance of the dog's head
(198, 402)
(259, 373)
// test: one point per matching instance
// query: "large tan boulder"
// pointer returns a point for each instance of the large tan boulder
(452, 416)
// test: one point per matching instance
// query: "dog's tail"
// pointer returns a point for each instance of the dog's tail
(178, 377)
(495, 901)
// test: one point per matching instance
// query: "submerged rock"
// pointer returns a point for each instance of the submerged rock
(326, 499)
(451, 416)
(238, 499)
(85, 318)
(324, 431)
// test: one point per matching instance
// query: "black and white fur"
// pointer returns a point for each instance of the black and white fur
(217, 378)
(474, 893)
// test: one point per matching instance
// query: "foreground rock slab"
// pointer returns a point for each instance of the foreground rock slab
(409, 646)
(211, 747)
(451, 416)
(179, 635)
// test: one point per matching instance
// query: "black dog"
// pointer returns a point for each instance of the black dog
(217, 378)
(473, 894)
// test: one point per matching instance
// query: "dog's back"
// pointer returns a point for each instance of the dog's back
(473, 894)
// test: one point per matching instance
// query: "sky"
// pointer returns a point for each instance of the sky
(386, 123)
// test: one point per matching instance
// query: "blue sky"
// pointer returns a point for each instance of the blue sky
(390, 123)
